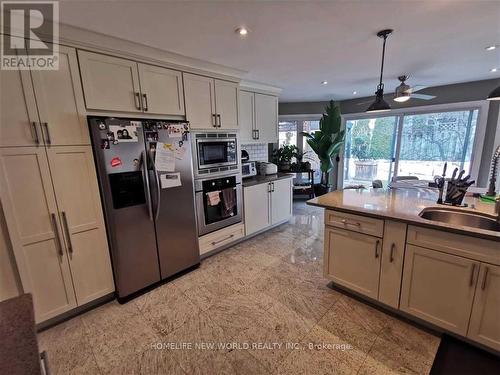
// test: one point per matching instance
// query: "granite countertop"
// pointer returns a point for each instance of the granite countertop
(256, 180)
(402, 205)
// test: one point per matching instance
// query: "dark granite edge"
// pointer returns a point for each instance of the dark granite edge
(417, 222)
(257, 180)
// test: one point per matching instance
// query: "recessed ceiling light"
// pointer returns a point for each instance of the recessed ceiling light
(493, 70)
(324, 82)
(354, 92)
(243, 31)
(491, 48)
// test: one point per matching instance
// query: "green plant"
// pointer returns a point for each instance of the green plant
(327, 141)
(284, 154)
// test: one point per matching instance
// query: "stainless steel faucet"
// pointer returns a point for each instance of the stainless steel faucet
(494, 173)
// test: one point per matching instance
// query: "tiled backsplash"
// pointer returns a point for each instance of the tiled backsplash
(257, 152)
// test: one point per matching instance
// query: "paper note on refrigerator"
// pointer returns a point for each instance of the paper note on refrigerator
(165, 157)
(175, 130)
(170, 180)
(180, 151)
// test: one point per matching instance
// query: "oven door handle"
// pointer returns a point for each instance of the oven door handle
(144, 171)
(158, 191)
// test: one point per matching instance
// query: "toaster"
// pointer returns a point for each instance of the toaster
(266, 168)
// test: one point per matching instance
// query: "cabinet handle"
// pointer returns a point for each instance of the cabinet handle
(56, 233)
(483, 284)
(471, 281)
(391, 257)
(376, 248)
(345, 222)
(66, 231)
(214, 120)
(145, 102)
(224, 239)
(272, 184)
(35, 133)
(47, 133)
(44, 363)
(137, 99)
(220, 120)
(258, 134)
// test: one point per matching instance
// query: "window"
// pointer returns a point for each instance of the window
(310, 156)
(287, 133)
(408, 144)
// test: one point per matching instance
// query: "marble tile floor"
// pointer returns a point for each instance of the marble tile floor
(260, 307)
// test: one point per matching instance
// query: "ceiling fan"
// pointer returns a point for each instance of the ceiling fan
(404, 92)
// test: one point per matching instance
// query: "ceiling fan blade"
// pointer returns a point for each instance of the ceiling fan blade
(365, 103)
(422, 96)
(418, 88)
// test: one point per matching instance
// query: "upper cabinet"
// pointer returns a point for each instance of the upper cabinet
(211, 103)
(43, 106)
(258, 117)
(162, 90)
(115, 84)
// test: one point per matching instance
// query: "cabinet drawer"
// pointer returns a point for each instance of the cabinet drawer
(456, 244)
(356, 223)
(221, 237)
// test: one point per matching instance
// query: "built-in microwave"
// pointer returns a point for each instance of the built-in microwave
(216, 153)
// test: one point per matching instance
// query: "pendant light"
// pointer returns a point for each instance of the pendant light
(380, 105)
(494, 95)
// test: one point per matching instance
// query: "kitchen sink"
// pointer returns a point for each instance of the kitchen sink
(458, 217)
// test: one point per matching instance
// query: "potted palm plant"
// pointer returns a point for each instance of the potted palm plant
(283, 157)
(326, 143)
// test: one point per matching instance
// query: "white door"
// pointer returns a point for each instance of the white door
(35, 230)
(78, 200)
(353, 260)
(257, 211)
(162, 90)
(227, 104)
(281, 200)
(266, 118)
(60, 102)
(109, 83)
(247, 116)
(199, 96)
(484, 326)
(18, 114)
(438, 287)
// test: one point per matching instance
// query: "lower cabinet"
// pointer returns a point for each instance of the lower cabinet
(52, 210)
(484, 326)
(267, 204)
(439, 287)
(353, 260)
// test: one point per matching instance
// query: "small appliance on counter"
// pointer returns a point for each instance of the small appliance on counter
(265, 168)
(248, 169)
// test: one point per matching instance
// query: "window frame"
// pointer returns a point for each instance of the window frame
(481, 105)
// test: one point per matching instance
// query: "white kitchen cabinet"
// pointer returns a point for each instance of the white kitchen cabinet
(438, 287)
(18, 114)
(77, 195)
(60, 102)
(247, 116)
(211, 103)
(258, 117)
(281, 200)
(353, 260)
(199, 95)
(391, 267)
(110, 83)
(162, 90)
(266, 117)
(35, 230)
(484, 326)
(256, 201)
(227, 104)
(264, 207)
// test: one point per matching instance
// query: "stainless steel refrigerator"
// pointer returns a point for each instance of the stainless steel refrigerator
(146, 182)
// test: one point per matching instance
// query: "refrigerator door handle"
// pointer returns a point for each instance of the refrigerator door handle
(158, 192)
(146, 179)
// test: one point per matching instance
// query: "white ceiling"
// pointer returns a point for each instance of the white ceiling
(296, 45)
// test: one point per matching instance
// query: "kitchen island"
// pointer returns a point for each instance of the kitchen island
(443, 274)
